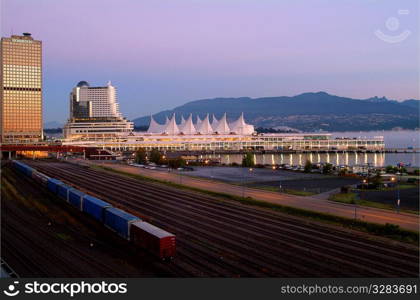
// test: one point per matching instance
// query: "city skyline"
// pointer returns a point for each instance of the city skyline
(161, 54)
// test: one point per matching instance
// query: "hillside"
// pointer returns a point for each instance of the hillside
(306, 112)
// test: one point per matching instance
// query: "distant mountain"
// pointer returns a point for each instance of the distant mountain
(53, 124)
(412, 103)
(306, 112)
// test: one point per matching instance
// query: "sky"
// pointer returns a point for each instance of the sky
(163, 53)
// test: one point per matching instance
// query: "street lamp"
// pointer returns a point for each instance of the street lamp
(243, 182)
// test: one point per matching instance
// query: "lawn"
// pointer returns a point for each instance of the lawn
(351, 198)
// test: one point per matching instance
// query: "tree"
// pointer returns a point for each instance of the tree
(390, 169)
(248, 160)
(377, 179)
(327, 169)
(141, 156)
(343, 172)
(155, 156)
(308, 166)
(176, 163)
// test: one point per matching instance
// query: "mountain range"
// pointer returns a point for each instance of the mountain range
(306, 112)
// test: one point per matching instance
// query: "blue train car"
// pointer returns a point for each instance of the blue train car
(95, 207)
(63, 191)
(40, 177)
(75, 198)
(24, 168)
(119, 221)
(53, 184)
(28, 170)
(19, 166)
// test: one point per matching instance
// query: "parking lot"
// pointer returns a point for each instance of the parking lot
(263, 177)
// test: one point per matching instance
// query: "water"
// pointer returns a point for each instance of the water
(340, 158)
(393, 139)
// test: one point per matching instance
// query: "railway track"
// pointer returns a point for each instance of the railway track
(38, 246)
(250, 242)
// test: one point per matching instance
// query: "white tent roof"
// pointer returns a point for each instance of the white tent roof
(198, 120)
(222, 126)
(205, 127)
(154, 126)
(171, 128)
(240, 126)
(214, 121)
(188, 126)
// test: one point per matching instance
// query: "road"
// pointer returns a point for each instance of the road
(374, 215)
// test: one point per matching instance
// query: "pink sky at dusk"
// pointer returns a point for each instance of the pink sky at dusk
(161, 54)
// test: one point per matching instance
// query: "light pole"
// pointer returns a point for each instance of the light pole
(274, 168)
(243, 182)
(398, 193)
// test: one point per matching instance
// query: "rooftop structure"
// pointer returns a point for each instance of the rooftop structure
(187, 127)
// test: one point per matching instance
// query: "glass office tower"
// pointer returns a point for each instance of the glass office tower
(20, 90)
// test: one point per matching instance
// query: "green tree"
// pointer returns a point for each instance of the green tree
(327, 169)
(343, 171)
(155, 156)
(308, 166)
(141, 156)
(390, 169)
(176, 163)
(248, 160)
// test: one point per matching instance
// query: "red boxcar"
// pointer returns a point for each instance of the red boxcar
(156, 240)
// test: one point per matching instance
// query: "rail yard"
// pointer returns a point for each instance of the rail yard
(215, 237)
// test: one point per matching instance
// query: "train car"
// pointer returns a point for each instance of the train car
(27, 170)
(75, 198)
(40, 177)
(119, 221)
(19, 166)
(63, 191)
(157, 241)
(95, 207)
(53, 184)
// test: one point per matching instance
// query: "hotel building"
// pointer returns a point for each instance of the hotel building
(20, 90)
(95, 114)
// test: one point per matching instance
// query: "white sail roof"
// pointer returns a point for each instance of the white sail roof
(166, 120)
(205, 127)
(188, 126)
(155, 127)
(222, 126)
(171, 128)
(240, 126)
(214, 121)
(198, 120)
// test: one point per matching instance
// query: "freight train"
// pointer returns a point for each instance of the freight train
(142, 234)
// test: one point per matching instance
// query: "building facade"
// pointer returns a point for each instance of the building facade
(225, 136)
(95, 114)
(20, 90)
(94, 102)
